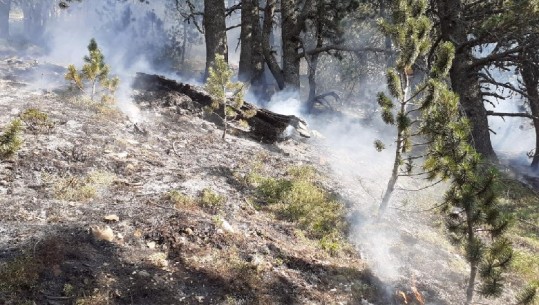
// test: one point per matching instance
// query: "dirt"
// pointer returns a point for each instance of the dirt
(89, 164)
(94, 164)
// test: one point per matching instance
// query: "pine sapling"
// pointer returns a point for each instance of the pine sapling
(220, 86)
(10, 139)
(94, 74)
(410, 35)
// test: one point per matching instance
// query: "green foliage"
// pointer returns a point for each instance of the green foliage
(527, 296)
(36, 120)
(210, 199)
(379, 145)
(10, 139)
(180, 200)
(22, 273)
(219, 85)
(95, 75)
(298, 199)
(74, 188)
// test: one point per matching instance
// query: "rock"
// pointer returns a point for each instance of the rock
(111, 218)
(105, 233)
(225, 225)
(144, 273)
(151, 244)
(189, 231)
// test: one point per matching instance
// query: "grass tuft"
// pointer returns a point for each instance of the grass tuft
(297, 198)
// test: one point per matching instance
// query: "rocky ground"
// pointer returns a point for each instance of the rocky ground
(87, 211)
(99, 207)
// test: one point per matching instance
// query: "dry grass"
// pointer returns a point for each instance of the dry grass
(73, 188)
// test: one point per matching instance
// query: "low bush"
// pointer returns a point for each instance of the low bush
(10, 139)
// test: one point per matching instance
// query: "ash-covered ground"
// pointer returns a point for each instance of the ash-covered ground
(88, 195)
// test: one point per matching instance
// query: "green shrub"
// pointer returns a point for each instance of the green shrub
(10, 139)
(298, 199)
(22, 273)
(36, 120)
(180, 200)
(210, 199)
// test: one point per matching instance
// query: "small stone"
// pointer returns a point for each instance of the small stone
(151, 244)
(105, 233)
(225, 225)
(144, 273)
(189, 231)
(111, 218)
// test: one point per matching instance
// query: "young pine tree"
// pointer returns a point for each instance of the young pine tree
(430, 113)
(410, 35)
(219, 86)
(94, 74)
(10, 139)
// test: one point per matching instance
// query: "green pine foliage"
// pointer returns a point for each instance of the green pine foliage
(10, 139)
(219, 85)
(429, 118)
(93, 78)
(409, 32)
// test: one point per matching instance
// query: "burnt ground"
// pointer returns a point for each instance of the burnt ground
(87, 215)
(58, 247)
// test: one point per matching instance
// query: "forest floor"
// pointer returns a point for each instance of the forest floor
(95, 209)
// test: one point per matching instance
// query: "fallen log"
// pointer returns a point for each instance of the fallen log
(266, 126)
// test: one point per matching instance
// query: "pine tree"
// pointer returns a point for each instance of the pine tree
(431, 113)
(410, 35)
(95, 74)
(219, 86)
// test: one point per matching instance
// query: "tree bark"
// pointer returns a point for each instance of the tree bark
(266, 126)
(464, 80)
(269, 55)
(530, 76)
(290, 43)
(214, 31)
(36, 15)
(251, 66)
(5, 7)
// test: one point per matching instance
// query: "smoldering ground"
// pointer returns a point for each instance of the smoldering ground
(406, 249)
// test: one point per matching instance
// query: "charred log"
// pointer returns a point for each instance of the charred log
(266, 126)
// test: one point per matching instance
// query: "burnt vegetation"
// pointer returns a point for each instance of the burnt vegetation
(233, 164)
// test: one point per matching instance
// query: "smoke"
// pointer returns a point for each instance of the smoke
(133, 37)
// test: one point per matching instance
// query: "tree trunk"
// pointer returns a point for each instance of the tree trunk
(464, 80)
(530, 76)
(269, 56)
(35, 19)
(5, 7)
(246, 38)
(214, 31)
(266, 126)
(251, 67)
(290, 43)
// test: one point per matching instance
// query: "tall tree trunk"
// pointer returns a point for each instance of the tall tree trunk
(290, 43)
(269, 55)
(530, 76)
(246, 38)
(36, 15)
(464, 80)
(5, 7)
(251, 67)
(214, 31)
